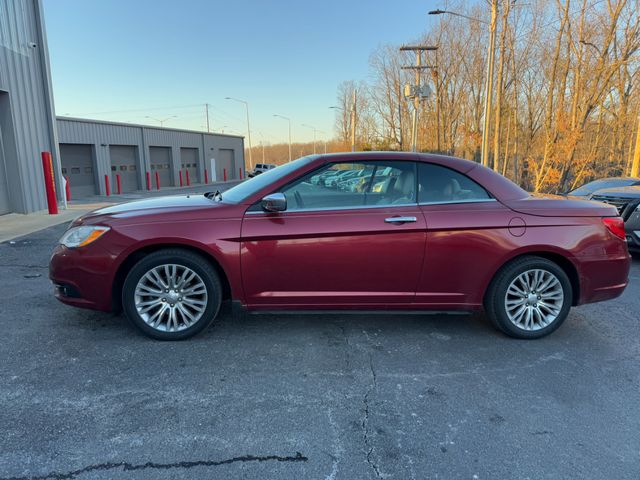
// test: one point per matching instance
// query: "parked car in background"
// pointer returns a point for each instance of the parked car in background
(588, 189)
(627, 202)
(261, 168)
(426, 233)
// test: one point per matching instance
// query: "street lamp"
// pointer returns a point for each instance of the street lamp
(314, 135)
(353, 121)
(246, 106)
(161, 120)
(289, 121)
(489, 78)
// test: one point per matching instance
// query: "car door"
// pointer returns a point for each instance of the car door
(467, 235)
(337, 248)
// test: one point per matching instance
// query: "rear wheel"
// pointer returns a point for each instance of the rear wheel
(529, 298)
(172, 294)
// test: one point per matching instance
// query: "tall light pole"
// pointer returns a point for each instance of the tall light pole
(314, 135)
(289, 121)
(161, 121)
(489, 77)
(246, 106)
(325, 139)
(352, 113)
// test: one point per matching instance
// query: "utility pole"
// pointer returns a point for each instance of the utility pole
(499, 87)
(635, 166)
(206, 109)
(416, 91)
(436, 80)
(246, 106)
(488, 88)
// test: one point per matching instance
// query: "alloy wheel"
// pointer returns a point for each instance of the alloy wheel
(170, 297)
(534, 299)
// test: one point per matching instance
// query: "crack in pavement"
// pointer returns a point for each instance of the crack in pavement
(129, 467)
(365, 419)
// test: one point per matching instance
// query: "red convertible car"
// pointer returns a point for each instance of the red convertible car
(416, 232)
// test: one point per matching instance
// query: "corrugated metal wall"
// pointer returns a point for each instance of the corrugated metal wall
(28, 124)
(26, 105)
(102, 134)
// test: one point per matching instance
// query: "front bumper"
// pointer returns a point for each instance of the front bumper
(82, 277)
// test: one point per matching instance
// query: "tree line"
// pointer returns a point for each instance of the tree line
(565, 91)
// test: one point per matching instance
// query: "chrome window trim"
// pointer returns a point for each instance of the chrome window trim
(334, 209)
(449, 202)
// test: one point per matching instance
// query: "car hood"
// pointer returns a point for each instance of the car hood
(159, 208)
(626, 192)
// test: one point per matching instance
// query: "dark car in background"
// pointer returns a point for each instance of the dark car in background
(261, 168)
(627, 201)
(588, 189)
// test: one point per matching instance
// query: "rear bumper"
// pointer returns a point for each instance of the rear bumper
(603, 278)
(82, 278)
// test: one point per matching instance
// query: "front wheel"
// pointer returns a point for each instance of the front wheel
(172, 294)
(529, 298)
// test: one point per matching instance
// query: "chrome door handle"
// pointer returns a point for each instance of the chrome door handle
(400, 219)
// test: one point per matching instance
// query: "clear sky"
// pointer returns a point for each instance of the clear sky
(125, 60)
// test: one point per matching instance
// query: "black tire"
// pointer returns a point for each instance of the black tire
(175, 256)
(497, 292)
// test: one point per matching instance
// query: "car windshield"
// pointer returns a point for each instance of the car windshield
(244, 190)
(604, 183)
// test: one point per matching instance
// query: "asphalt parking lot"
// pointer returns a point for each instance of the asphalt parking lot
(84, 396)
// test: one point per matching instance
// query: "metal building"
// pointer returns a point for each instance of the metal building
(91, 150)
(27, 120)
(88, 149)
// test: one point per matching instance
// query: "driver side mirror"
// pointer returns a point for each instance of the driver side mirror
(274, 202)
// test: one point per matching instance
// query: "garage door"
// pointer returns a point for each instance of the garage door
(78, 167)
(226, 159)
(189, 158)
(160, 161)
(124, 162)
(4, 193)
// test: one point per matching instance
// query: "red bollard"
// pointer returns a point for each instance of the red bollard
(157, 181)
(206, 176)
(188, 181)
(118, 183)
(225, 174)
(240, 169)
(107, 185)
(49, 183)
(67, 189)
(180, 177)
(148, 181)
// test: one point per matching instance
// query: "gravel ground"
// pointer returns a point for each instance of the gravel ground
(84, 396)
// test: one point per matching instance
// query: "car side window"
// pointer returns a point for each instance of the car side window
(438, 184)
(345, 185)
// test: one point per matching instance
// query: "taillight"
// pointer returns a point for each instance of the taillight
(615, 226)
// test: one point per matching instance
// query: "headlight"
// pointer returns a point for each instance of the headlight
(81, 236)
